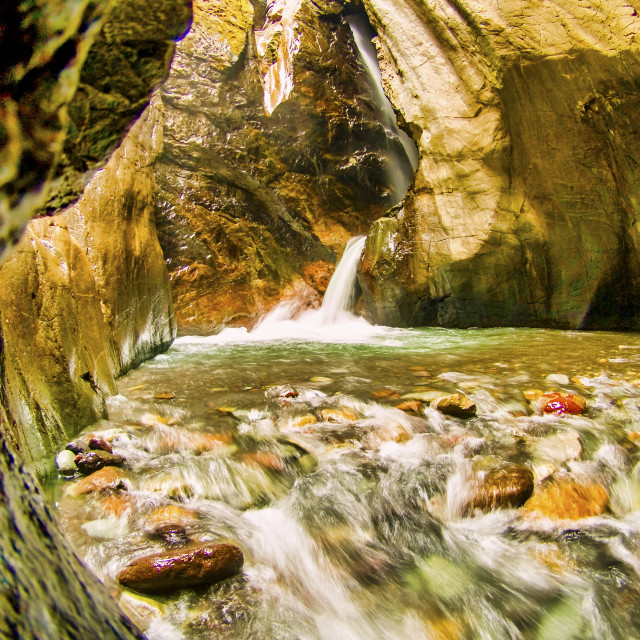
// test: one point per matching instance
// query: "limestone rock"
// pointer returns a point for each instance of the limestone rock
(457, 405)
(508, 487)
(182, 569)
(524, 208)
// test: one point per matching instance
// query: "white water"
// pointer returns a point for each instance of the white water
(332, 322)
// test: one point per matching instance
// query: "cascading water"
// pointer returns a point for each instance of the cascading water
(400, 174)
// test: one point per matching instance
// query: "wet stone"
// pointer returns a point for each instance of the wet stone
(66, 462)
(173, 535)
(341, 415)
(103, 479)
(508, 487)
(410, 405)
(186, 568)
(557, 402)
(170, 515)
(100, 444)
(457, 405)
(568, 499)
(95, 460)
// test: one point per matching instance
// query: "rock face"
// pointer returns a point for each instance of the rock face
(525, 205)
(84, 298)
(274, 155)
(187, 567)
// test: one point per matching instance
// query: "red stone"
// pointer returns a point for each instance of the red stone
(557, 402)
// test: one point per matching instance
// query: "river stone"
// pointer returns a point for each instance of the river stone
(558, 402)
(173, 535)
(105, 478)
(567, 499)
(98, 443)
(186, 568)
(171, 514)
(341, 415)
(457, 405)
(66, 462)
(94, 460)
(409, 405)
(506, 488)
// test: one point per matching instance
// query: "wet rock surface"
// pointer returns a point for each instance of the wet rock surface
(457, 405)
(190, 567)
(508, 487)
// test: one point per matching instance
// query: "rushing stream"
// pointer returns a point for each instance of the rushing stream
(362, 510)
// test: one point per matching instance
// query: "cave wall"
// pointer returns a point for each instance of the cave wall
(524, 207)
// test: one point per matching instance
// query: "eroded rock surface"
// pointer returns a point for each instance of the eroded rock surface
(274, 155)
(525, 204)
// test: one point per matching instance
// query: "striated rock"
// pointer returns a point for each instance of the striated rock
(89, 462)
(508, 487)
(101, 480)
(457, 405)
(567, 499)
(187, 568)
(523, 210)
(557, 402)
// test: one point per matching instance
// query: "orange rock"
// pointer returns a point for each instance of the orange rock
(101, 480)
(171, 514)
(264, 459)
(567, 499)
(532, 394)
(339, 414)
(410, 405)
(116, 504)
(557, 402)
(383, 393)
(164, 395)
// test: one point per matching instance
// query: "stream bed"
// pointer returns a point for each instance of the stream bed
(362, 511)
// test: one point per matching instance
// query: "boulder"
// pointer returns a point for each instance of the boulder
(185, 568)
(508, 487)
(457, 405)
(567, 499)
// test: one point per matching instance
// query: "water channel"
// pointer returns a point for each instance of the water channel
(354, 500)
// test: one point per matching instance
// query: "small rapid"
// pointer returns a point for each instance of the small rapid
(362, 510)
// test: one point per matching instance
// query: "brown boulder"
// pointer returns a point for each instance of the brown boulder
(182, 569)
(568, 499)
(505, 488)
(457, 405)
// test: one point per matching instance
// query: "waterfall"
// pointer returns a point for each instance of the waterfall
(400, 177)
(339, 297)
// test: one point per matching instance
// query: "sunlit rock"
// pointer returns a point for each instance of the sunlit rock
(106, 478)
(457, 405)
(558, 402)
(567, 499)
(508, 487)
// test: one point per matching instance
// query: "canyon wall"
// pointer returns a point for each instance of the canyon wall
(525, 205)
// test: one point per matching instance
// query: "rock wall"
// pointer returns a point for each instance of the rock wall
(274, 155)
(524, 208)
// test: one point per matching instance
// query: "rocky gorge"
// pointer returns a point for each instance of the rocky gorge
(203, 192)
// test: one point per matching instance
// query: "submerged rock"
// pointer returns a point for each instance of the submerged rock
(189, 567)
(341, 415)
(105, 478)
(506, 488)
(173, 535)
(457, 405)
(568, 499)
(171, 514)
